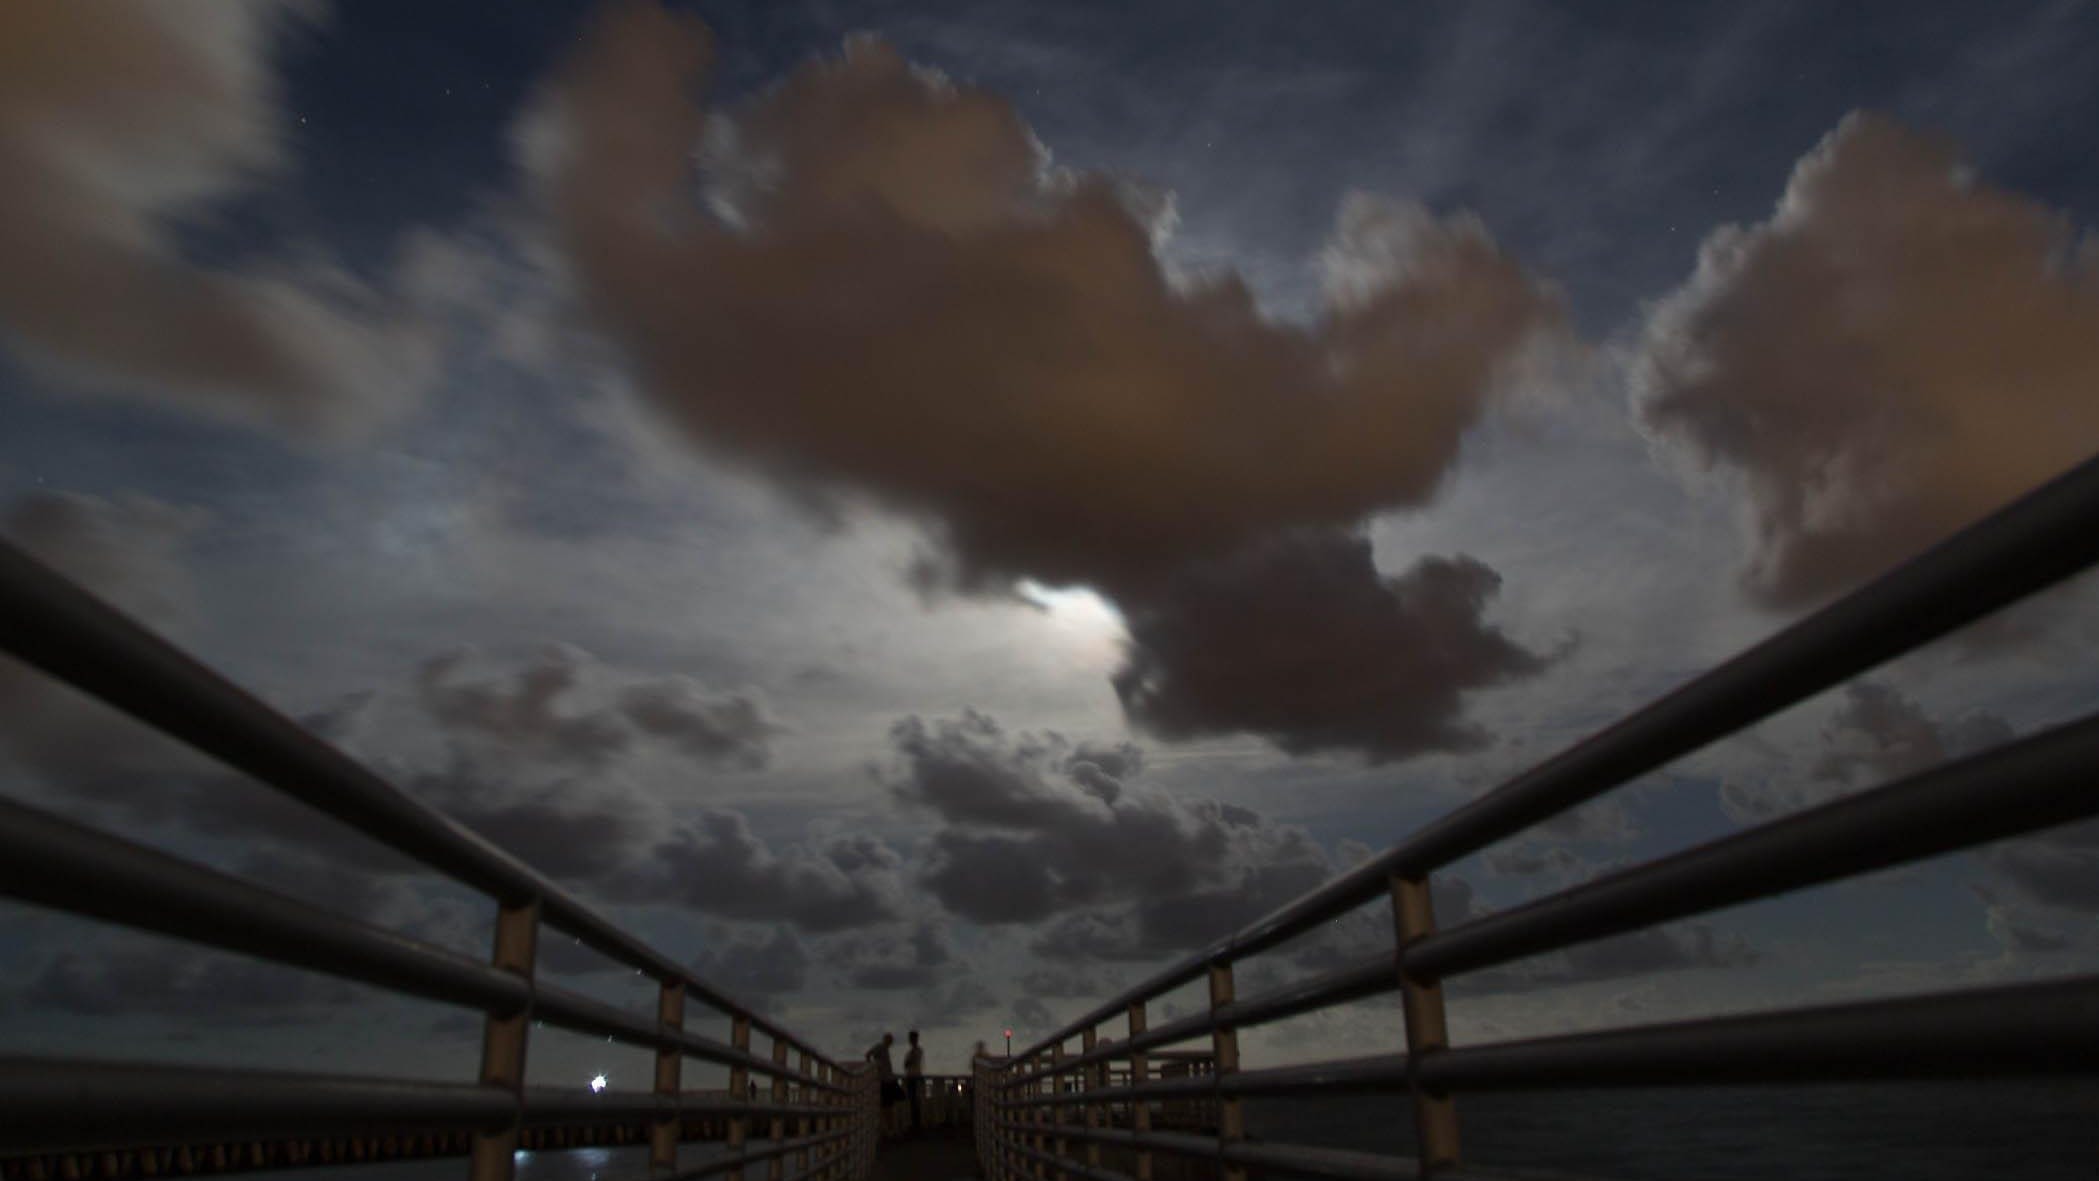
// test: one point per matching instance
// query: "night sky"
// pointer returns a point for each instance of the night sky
(927, 511)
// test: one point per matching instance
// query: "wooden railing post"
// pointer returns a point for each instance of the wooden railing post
(827, 1123)
(1140, 1110)
(739, 1090)
(668, 1129)
(1039, 1116)
(776, 1168)
(503, 1040)
(1088, 1040)
(803, 1125)
(1435, 1117)
(1060, 1114)
(1224, 1046)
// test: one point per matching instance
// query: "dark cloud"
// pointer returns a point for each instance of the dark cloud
(1031, 1014)
(2058, 868)
(1032, 828)
(1879, 734)
(131, 551)
(967, 997)
(883, 286)
(876, 285)
(1061, 983)
(1114, 936)
(1898, 350)
(182, 984)
(544, 708)
(1876, 735)
(130, 120)
(1301, 640)
(716, 865)
(724, 729)
(571, 830)
(502, 734)
(1638, 953)
(888, 961)
(2014, 930)
(1522, 861)
(756, 966)
(521, 711)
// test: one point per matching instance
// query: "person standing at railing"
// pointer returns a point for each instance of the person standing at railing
(885, 1070)
(915, 1080)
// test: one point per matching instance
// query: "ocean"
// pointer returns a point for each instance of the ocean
(1994, 1130)
(2045, 1130)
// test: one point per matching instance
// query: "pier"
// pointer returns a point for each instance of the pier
(1123, 1093)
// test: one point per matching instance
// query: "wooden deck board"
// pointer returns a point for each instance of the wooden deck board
(945, 1154)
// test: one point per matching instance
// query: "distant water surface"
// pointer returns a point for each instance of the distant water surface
(2044, 1130)
(1965, 1131)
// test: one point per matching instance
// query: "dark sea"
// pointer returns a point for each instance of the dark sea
(1965, 1131)
(1941, 1131)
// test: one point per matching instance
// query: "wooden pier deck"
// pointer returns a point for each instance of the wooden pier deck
(937, 1154)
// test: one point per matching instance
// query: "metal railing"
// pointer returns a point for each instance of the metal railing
(1047, 1112)
(818, 1118)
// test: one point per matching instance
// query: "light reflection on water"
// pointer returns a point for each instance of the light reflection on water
(623, 1163)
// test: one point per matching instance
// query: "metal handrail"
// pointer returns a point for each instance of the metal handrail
(2016, 788)
(59, 628)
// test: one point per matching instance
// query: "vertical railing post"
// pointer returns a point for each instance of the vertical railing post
(668, 1129)
(840, 1100)
(1060, 1113)
(856, 1124)
(503, 1039)
(802, 1124)
(1089, 1078)
(1421, 1001)
(739, 1090)
(828, 1122)
(1224, 1046)
(776, 1168)
(849, 1121)
(871, 1103)
(1039, 1116)
(1140, 1109)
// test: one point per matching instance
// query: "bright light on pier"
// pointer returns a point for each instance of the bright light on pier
(597, 1083)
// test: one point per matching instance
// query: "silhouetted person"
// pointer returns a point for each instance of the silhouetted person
(915, 1079)
(892, 1090)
